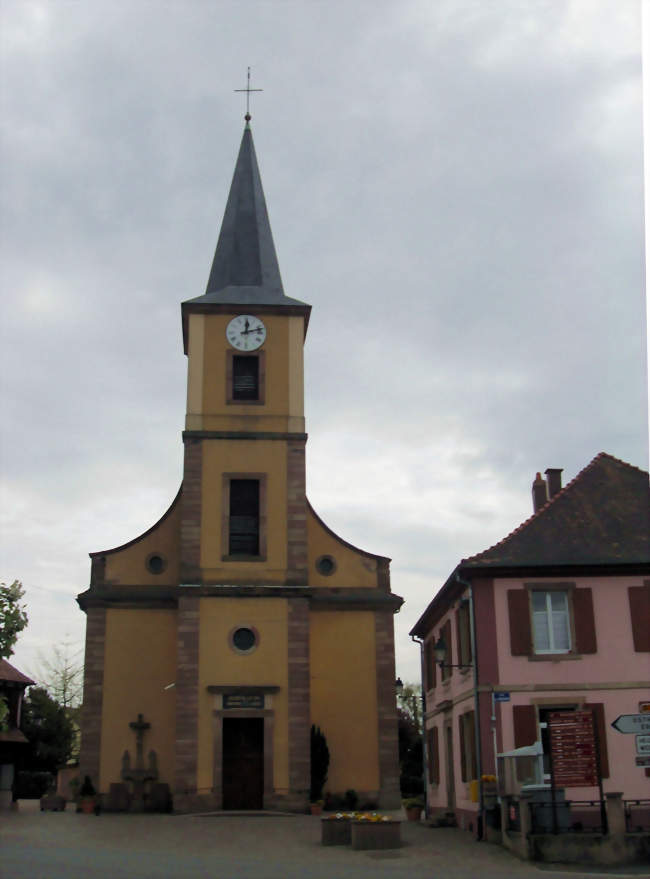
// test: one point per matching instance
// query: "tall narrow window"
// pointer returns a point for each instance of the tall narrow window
(245, 378)
(551, 630)
(244, 519)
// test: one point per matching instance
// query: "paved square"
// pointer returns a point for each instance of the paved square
(67, 845)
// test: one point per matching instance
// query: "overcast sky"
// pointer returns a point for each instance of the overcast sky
(455, 186)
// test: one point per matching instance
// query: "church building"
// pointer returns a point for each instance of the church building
(215, 639)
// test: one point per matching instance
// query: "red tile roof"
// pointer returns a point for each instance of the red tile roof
(601, 517)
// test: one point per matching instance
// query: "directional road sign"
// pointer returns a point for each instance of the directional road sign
(643, 745)
(632, 723)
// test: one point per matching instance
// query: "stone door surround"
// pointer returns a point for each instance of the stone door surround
(268, 715)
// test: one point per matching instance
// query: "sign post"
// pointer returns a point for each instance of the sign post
(635, 724)
(575, 755)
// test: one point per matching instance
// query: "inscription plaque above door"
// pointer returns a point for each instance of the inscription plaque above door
(243, 700)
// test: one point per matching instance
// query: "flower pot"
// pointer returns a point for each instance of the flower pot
(316, 808)
(413, 813)
(88, 805)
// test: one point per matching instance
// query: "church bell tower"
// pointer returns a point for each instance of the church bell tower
(239, 619)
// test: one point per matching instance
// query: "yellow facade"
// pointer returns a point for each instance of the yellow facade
(342, 666)
(219, 664)
(140, 661)
(228, 723)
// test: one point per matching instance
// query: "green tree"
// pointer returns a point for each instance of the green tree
(13, 617)
(4, 715)
(409, 701)
(49, 730)
(409, 725)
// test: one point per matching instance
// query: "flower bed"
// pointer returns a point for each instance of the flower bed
(374, 831)
(335, 829)
(363, 830)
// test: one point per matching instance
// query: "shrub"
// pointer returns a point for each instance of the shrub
(320, 761)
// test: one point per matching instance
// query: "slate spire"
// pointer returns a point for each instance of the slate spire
(245, 268)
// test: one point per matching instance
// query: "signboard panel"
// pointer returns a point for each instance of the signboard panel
(643, 761)
(501, 697)
(243, 700)
(573, 749)
(632, 723)
(643, 744)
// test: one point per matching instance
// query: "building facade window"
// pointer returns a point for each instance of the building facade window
(245, 378)
(552, 621)
(244, 517)
(551, 624)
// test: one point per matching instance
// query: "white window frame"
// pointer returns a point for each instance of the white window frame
(549, 620)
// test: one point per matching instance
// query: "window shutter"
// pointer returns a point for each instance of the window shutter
(583, 621)
(524, 718)
(639, 598)
(470, 744)
(461, 741)
(598, 711)
(521, 642)
(436, 757)
(432, 667)
(433, 765)
(450, 651)
(458, 641)
(427, 664)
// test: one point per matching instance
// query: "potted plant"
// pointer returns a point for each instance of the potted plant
(320, 761)
(413, 808)
(87, 796)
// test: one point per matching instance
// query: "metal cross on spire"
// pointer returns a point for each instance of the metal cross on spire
(248, 91)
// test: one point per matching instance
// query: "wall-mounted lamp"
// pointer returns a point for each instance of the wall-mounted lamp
(399, 686)
(440, 654)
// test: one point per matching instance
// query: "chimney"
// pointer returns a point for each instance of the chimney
(540, 496)
(553, 480)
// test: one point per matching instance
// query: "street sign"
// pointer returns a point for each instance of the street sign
(632, 723)
(573, 749)
(643, 744)
(643, 761)
(501, 697)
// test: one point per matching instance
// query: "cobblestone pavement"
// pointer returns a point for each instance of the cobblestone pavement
(66, 845)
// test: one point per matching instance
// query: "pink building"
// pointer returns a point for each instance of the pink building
(554, 617)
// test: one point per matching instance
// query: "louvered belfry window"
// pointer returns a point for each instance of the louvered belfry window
(245, 378)
(244, 536)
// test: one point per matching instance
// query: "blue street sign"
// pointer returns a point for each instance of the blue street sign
(501, 697)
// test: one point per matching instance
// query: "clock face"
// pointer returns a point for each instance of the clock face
(246, 332)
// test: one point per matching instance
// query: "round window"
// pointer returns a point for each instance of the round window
(325, 565)
(244, 639)
(156, 564)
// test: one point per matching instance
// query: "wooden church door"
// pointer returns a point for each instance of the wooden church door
(243, 762)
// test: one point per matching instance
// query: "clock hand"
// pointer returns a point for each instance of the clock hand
(254, 330)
